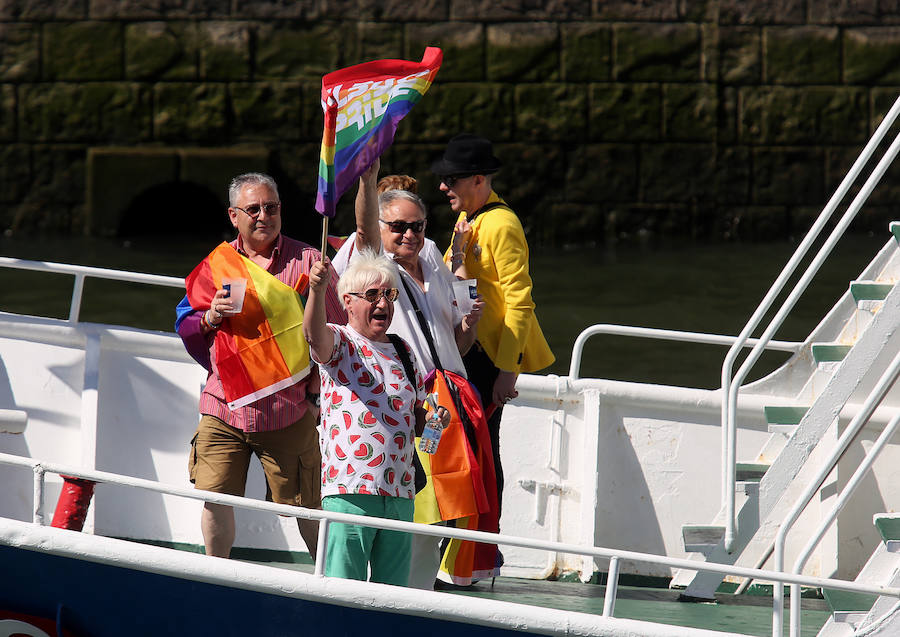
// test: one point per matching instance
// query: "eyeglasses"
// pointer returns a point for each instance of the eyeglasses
(373, 295)
(271, 209)
(450, 180)
(400, 227)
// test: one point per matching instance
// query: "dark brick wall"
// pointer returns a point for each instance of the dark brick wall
(711, 119)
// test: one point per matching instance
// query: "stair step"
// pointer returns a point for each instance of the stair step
(829, 352)
(848, 601)
(852, 618)
(751, 470)
(895, 229)
(870, 290)
(785, 415)
(888, 525)
(701, 537)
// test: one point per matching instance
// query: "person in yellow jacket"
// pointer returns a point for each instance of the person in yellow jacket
(489, 245)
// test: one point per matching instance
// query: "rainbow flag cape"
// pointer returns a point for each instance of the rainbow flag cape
(455, 488)
(261, 350)
(363, 105)
(462, 483)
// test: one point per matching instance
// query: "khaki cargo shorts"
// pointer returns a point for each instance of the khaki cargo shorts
(290, 457)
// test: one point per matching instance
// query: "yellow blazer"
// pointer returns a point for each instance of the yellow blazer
(497, 256)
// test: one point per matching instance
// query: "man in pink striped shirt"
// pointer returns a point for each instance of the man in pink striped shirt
(280, 429)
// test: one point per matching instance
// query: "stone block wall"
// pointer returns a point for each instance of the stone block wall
(709, 119)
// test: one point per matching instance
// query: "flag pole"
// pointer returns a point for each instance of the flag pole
(324, 236)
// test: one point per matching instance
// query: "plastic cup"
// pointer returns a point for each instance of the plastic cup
(465, 292)
(236, 290)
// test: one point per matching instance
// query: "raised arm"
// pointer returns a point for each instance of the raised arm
(319, 337)
(368, 234)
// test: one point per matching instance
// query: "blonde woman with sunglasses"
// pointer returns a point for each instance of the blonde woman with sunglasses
(372, 397)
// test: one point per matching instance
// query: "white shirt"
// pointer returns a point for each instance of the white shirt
(437, 304)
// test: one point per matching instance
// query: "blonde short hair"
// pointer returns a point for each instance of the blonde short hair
(365, 270)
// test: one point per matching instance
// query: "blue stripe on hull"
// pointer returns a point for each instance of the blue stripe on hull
(100, 600)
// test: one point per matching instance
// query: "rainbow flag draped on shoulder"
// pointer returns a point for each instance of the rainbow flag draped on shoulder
(261, 350)
(363, 105)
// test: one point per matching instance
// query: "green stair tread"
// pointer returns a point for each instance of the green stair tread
(781, 415)
(751, 470)
(888, 525)
(849, 601)
(870, 290)
(829, 352)
(702, 533)
(895, 229)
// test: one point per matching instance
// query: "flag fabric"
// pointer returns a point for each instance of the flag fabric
(261, 350)
(455, 488)
(462, 483)
(464, 561)
(363, 105)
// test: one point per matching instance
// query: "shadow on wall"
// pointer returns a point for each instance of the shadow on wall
(175, 208)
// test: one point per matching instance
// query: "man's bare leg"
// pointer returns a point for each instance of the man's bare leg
(217, 524)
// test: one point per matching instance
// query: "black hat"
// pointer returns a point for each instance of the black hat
(467, 155)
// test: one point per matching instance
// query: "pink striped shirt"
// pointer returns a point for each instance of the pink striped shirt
(290, 259)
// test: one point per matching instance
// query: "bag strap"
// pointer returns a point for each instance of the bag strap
(485, 208)
(403, 355)
(421, 477)
(423, 324)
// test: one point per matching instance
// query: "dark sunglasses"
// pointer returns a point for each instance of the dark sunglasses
(450, 180)
(400, 227)
(271, 209)
(373, 295)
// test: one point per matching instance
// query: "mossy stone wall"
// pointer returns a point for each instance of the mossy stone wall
(714, 120)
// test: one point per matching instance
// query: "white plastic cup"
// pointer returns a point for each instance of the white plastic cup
(237, 288)
(465, 292)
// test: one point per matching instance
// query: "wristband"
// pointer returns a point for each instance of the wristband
(210, 325)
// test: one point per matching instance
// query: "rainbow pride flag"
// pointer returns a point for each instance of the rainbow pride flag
(363, 105)
(261, 350)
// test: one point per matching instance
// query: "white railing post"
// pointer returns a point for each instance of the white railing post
(612, 587)
(38, 495)
(322, 547)
(77, 292)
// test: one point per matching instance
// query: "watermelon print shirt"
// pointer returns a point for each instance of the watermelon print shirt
(367, 435)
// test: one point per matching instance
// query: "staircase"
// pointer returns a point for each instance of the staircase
(769, 484)
(866, 614)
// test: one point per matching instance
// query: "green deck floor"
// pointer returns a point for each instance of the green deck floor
(750, 615)
(747, 614)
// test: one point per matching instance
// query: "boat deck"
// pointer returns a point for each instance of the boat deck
(748, 614)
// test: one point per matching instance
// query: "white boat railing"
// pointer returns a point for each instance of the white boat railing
(731, 384)
(81, 272)
(662, 335)
(325, 518)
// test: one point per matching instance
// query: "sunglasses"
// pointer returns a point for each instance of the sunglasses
(271, 209)
(450, 180)
(400, 227)
(373, 295)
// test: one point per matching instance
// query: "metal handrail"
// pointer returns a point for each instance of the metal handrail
(875, 397)
(81, 272)
(731, 385)
(327, 517)
(663, 335)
